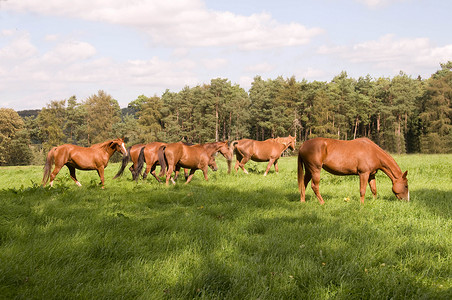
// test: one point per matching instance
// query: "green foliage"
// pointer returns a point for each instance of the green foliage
(14, 148)
(402, 114)
(236, 236)
(102, 112)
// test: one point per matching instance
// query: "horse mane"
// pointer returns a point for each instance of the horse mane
(386, 159)
(102, 145)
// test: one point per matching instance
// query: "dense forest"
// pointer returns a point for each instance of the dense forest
(401, 114)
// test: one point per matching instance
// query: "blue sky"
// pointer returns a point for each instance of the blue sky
(53, 49)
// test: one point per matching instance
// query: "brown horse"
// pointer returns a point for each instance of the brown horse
(132, 154)
(74, 157)
(139, 154)
(357, 157)
(269, 150)
(149, 155)
(176, 155)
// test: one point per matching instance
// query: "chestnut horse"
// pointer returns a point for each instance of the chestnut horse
(357, 157)
(139, 154)
(176, 155)
(74, 157)
(269, 150)
(132, 154)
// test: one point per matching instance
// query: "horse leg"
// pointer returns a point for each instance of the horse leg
(238, 158)
(100, 171)
(54, 174)
(243, 162)
(72, 173)
(304, 184)
(373, 185)
(190, 176)
(315, 185)
(276, 166)
(132, 170)
(153, 173)
(168, 175)
(177, 171)
(204, 171)
(146, 172)
(363, 179)
(270, 163)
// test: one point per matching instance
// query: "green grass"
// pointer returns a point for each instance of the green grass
(236, 236)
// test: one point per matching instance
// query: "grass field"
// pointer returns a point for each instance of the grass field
(236, 236)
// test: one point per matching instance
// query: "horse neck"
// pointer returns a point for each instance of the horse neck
(281, 141)
(389, 166)
(212, 147)
(105, 146)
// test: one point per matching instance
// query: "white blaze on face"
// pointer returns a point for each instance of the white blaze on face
(124, 148)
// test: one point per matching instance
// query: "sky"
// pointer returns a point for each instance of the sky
(54, 49)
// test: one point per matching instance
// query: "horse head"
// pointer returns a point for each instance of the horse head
(288, 142)
(291, 141)
(212, 163)
(118, 145)
(225, 150)
(400, 187)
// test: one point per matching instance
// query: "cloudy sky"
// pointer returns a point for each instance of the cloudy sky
(53, 49)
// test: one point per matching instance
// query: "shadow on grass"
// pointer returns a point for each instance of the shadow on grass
(437, 202)
(205, 240)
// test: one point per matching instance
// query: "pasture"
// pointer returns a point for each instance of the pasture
(236, 236)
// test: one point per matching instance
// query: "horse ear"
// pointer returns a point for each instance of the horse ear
(405, 174)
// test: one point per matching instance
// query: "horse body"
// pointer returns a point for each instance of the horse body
(149, 154)
(260, 151)
(357, 157)
(176, 155)
(75, 157)
(132, 154)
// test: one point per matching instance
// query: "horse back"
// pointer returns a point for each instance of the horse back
(134, 152)
(266, 150)
(341, 157)
(82, 158)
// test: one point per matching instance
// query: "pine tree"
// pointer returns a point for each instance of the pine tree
(102, 112)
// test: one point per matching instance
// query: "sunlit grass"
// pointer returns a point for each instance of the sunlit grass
(236, 236)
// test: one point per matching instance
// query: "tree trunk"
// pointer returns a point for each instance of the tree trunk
(216, 122)
(356, 127)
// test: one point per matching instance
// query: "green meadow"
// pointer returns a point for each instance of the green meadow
(235, 236)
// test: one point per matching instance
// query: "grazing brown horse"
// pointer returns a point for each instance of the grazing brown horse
(357, 157)
(74, 157)
(269, 150)
(132, 154)
(176, 155)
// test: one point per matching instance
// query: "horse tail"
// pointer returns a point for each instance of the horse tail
(125, 161)
(50, 160)
(232, 147)
(300, 176)
(161, 156)
(140, 164)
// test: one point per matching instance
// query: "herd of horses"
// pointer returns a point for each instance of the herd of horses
(357, 157)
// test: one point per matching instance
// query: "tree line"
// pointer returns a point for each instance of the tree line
(401, 114)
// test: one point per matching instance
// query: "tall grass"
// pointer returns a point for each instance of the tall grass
(236, 236)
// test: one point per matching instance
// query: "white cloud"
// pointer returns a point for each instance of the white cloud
(260, 68)
(390, 52)
(69, 52)
(378, 3)
(214, 63)
(180, 23)
(74, 67)
(19, 46)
